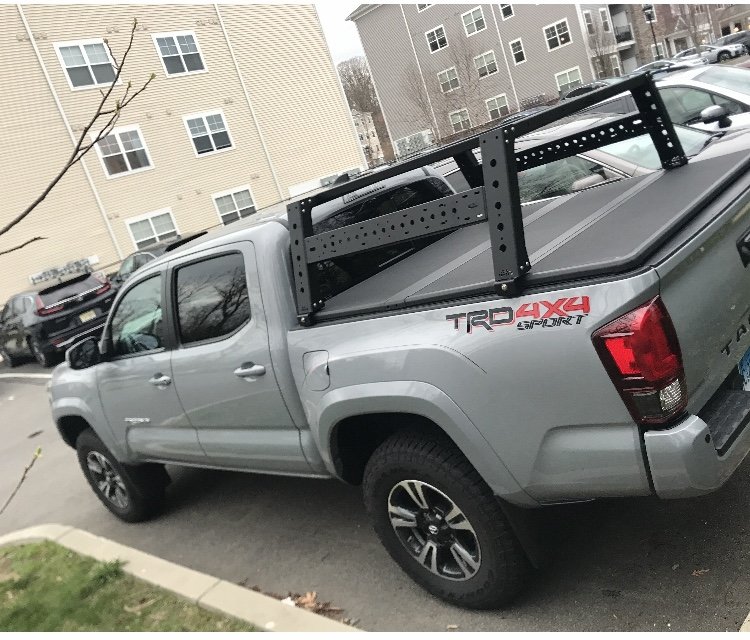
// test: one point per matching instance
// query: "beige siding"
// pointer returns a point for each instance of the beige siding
(287, 71)
(36, 145)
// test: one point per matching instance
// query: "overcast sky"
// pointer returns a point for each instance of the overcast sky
(342, 36)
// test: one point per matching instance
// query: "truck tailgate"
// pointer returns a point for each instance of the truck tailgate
(705, 286)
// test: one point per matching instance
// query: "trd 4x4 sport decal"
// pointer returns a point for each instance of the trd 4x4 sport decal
(544, 314)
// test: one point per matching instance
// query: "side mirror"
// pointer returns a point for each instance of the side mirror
(716, 113)
(83, 354)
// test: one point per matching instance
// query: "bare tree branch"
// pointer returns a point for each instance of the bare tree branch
(81, 148)
(37, 455)
(21, 246)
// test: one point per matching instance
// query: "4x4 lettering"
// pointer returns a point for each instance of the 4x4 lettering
(583, 306)
(528, 310)
(554, 308)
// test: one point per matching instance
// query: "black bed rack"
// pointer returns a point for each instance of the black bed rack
(493, 195)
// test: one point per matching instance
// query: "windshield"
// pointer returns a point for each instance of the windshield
(642, 152)
(727, 78)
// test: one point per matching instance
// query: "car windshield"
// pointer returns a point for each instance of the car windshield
(727, 78)
(642, 152)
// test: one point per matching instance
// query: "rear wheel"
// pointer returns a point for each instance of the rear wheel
(43, 357)
(724, 55)
(132, 493)
(7, 358)
(441, 523)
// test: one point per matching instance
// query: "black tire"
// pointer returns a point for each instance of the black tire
(143, 486)
(502, 564)
(8, 359)
(723, 55)
(44, 358)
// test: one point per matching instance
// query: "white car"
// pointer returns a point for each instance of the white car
(710, 53)
(662, 65)
(687, 94)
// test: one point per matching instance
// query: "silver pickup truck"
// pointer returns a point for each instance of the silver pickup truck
(465, 359)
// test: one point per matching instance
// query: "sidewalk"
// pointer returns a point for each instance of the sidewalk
(207, 591)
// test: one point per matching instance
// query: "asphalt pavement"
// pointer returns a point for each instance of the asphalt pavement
(619, 565)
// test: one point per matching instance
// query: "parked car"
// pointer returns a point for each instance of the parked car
(710, 53)
(688, 93)
(582, 348)
(44, 322)
(663, 65)
(138, 259)
(591, 86)
(739, 37)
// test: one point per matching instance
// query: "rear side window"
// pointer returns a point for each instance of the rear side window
(212, 298)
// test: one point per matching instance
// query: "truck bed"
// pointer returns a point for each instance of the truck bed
(603, 231)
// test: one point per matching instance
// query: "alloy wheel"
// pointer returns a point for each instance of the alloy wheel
(434, 530)
(107, 480)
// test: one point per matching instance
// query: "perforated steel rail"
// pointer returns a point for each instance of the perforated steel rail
(493, 196)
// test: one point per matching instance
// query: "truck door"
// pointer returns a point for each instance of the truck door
(222, 365)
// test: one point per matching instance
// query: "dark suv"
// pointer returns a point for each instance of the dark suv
(43, 323)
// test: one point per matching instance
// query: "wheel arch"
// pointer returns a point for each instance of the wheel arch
(70, 427)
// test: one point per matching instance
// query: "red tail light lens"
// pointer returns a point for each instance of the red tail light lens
(642, 356)
(103, 289)
(41, 310)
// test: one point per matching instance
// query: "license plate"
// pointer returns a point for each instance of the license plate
(87, 315)
(744, 367)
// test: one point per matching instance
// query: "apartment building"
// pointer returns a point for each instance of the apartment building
(236, 119)
(368, 138)
(445, 69)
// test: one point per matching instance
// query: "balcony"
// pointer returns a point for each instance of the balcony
(623, 34)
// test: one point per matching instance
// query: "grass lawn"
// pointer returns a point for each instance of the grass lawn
(45, 587)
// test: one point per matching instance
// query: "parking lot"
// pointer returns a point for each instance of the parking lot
(617, 565)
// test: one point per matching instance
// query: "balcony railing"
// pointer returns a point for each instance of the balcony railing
(624, 33)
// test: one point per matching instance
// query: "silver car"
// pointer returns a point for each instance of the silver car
(710, 53)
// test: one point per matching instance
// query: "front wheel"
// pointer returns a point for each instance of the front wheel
(43, 357)
(441, 523)
(132, 493)
(723, 56)
(7, 358)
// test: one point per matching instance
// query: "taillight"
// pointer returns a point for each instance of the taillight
(103, 280)
(41, 310)
(103, 289)
(642, 356)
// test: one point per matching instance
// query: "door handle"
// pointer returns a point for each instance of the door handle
(160, 380)
(250, 370)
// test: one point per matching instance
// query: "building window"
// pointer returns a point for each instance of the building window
(497, 106)
(422, 7)
(557, 35)
(208, 132)
(436, 39)
(152, 228)
(448, 80)
(567, 80)
(589, 20)
(86, 63)
(413, 143)
(599, 68)
(506, 11)
(653, 12)
(473, 21)
(123, 151)
(615, 62)
(235, 204)
(179, 53)
(486, 64)
(604, 15)
(460, 120)
(657, 48)
(516, 49)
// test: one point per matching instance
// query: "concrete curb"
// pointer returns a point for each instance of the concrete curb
(746, 625)
(207, 591)
(25, 376)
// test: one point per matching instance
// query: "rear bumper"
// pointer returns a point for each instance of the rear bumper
(684, 461)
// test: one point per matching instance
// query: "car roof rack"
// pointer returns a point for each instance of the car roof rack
(493, 196)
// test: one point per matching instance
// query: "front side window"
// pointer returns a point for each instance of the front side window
(448, 80)
(498, 107)
(460, 120)
(123, 151)
(208, 131)
(86, 63)
(212, 299)
(152, 229)
(486, 64)
(137, 322)
(179, 53)
(557, 35)
(235, 205)
(567, 80)
(684, 104)
(436, 39)
(727, 78)
(473, 21)
(506, 11)
(516, 49)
